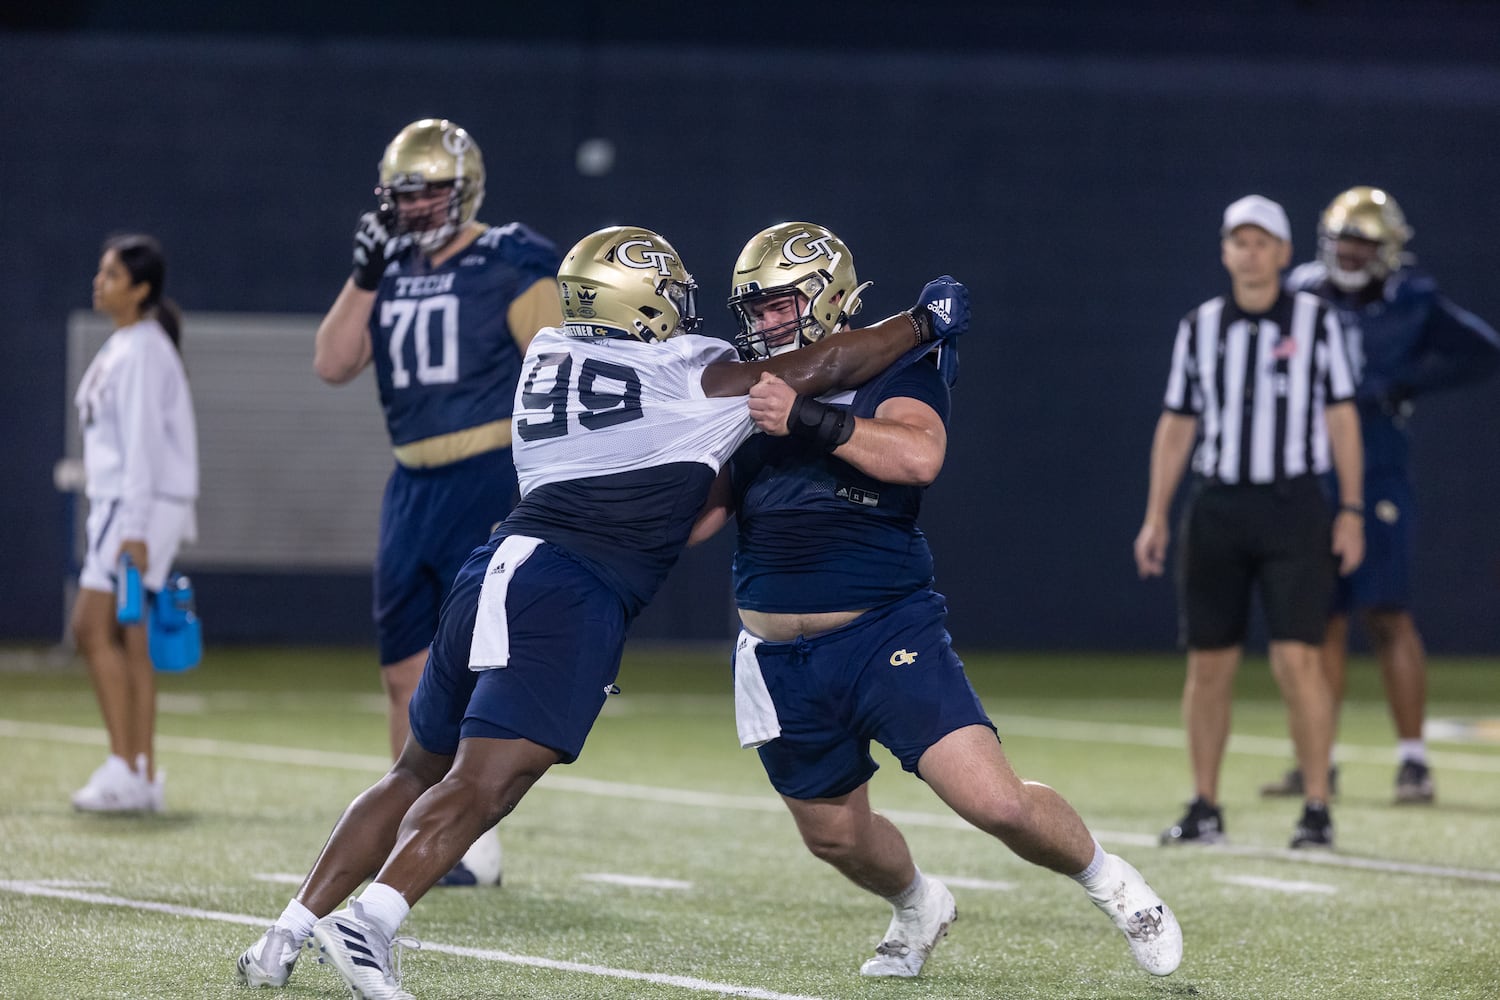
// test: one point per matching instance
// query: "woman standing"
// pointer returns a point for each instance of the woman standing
(140, 456)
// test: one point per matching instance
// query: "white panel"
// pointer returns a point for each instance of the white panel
(292, 469)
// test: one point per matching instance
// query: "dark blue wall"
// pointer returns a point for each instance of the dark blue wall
(1078, 193)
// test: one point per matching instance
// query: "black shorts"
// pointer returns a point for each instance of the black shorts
(1275, 536)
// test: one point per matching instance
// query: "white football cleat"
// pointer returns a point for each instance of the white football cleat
(482, 863)
(361, 955)
(113, 787)
(269, 961)
(913, 933)
(1148, 924)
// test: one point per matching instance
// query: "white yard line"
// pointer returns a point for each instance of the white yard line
(485, 954)
(555, 781)
(981, 884)
(636, 881)
(1173, 738)
(1278, 885)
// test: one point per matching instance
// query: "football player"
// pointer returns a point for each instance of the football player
(1405, 339)
(444, 306)
(843, 638)
(623, 419)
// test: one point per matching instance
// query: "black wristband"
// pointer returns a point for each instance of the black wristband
(1352, 508)
(825, 426)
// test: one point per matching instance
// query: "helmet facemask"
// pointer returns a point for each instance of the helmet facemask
(773, 321)
(430, 229)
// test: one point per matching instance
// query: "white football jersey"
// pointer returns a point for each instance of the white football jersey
(598, 407)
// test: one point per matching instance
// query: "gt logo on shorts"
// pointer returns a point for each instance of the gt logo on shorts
(903, 658)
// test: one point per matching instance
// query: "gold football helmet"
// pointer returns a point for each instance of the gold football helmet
(626, 281)
(1363, 213)
(793, 284)
(427, 154)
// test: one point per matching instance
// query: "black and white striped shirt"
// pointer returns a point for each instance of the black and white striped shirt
(1259, 383)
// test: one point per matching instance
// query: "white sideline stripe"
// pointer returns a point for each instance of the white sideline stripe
(371, 763)
(278, 878)
(553, 781)
(1038, 728)
(983, 884)
(1331, 860)
(636, 881)
(485, 954)
(1278, 885)
(1239, 743)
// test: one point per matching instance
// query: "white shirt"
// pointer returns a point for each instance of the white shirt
(140, 441)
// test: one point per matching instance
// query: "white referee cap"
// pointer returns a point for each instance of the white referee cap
(1257, 210)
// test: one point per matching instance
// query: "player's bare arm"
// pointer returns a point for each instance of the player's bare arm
(342, 347)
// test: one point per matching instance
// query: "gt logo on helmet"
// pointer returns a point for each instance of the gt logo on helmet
(647, 259)
(815, 248)
(457, 142)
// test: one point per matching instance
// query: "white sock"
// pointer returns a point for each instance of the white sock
(911, 894)
(1411, 750)
(1090, 877)
(382, 907)
(297, 920)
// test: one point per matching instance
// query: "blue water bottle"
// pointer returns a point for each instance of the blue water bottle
(175, 635)
(128, 601)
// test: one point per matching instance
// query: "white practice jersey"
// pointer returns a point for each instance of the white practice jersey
(598, 407)
(616, 446)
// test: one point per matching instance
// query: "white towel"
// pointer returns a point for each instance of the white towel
(754, 712)
(491, 645)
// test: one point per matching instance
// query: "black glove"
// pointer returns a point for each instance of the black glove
(373, 248)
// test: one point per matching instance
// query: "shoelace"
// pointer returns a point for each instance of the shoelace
(399, 945)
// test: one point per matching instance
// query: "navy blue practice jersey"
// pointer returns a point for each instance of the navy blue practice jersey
(815, 533)
(1407, 342)
(445, 357)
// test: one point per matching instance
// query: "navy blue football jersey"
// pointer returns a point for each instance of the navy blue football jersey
(445, 358)
(815, 533)
(1409, 341)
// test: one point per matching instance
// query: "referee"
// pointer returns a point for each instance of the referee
(1265, 374)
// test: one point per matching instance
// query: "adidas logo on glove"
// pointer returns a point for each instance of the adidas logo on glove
(942, 309)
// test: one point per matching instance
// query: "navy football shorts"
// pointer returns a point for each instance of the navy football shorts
(566, 633)
(1383, 581)
(890, 676)
(430, 520)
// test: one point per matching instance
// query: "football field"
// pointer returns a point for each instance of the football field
(661, 865)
